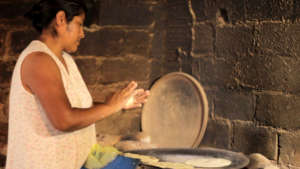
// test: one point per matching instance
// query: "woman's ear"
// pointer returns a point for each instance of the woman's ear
(60, 18)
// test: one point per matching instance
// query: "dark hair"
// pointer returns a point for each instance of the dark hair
(43, 12)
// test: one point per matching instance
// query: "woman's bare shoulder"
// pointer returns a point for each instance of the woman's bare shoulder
(39, 65)
(38, 58)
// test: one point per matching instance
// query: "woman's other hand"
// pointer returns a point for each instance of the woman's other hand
(138, 98)
(120, 98)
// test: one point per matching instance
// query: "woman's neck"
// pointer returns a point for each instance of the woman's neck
(52, 43)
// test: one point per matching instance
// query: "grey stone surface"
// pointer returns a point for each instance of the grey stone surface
(178, 35)
(4, 97)
(170, 66)
(296, 10)
(218, 73)
(6, 70)
(178, 13)
(19, 40)
(2, 41)
(278, 39)
(126, 12)
(115, 42)
(218, 134)
(102, 92)
(268, 9)
(14, 9)
(234, 10)
(233, 42)
(267, 72)
(278, 111)
(126, 69)
(204, 40)
(90, 70)
(177, 38)
(289, 148)
(211, 95)
(198, 8)
(156, 70)
(235, 105)
(249, 138)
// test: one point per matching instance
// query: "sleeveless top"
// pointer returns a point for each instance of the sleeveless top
(33, 142)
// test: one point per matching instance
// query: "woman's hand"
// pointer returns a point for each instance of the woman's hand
(120, 98)
(138, 98)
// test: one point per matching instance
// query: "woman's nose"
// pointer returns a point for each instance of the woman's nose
(82, 33)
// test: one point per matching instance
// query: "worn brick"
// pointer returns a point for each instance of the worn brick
(214, 73)
(2, 41)
(210, 95)
(278, 39)
(90, 69)
(268, 9)
(1, 112)
(233, 10)
(101, 92)
(92, 16)
(125, 12)
(4, 97)
(6, 69)
(156, 70)
(127, 69)
(19, 23)
(218, 134)
(278, 110)
(120, 123)
(115, 42)
(207, 9)
(296, 14)
(289, 148)
(178, 13)
(158, 45)
(13, 9)
(203, 43)
(2, 161)
(159, 33)
(235, 105)
(234, 41)
(249, 138)
(170, 66)
(199, 9)
(178, 37)
(267, 72)
(3, 129)
(19, 40)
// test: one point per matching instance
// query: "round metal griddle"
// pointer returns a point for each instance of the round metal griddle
(175, 115)
(238, 160)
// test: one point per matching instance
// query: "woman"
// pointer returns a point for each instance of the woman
(51, 116)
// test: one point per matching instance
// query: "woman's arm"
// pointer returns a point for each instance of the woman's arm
(41, 76)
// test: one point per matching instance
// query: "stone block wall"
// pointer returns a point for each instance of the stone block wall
(244, 52)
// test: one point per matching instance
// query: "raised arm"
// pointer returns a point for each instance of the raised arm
(41, 77)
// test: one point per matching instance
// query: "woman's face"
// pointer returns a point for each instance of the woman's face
(74, 33)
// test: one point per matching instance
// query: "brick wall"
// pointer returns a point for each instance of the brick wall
(244, 52)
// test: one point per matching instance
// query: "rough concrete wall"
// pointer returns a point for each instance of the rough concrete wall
(246, 54)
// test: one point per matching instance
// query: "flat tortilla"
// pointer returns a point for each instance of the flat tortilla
(153, 161)
(207, 162)
(143, 158)
(172, 165)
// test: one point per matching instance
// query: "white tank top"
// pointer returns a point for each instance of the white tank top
(33, 142)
